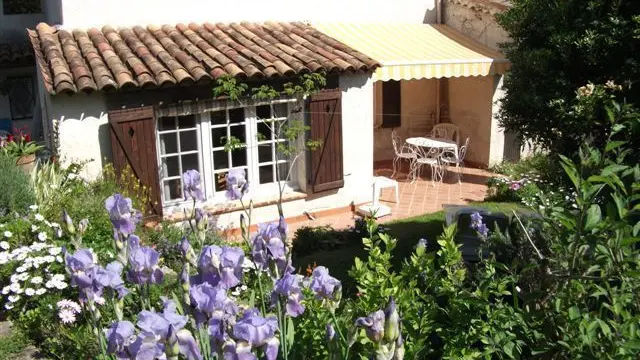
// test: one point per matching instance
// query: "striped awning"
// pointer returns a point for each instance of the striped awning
(418, 51)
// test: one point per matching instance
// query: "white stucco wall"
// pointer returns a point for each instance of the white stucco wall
(87, 13)
(83, 130)
(417, 109)
(470, 107)
(478, 25)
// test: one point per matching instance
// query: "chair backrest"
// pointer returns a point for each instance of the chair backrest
(446, 131)
(463, 150)
(396, 141)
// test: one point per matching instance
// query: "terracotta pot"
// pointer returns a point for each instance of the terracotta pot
(27, 163)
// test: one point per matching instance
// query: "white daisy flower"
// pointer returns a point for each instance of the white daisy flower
(99, 300)
(4, 245)
(13, 298)
(21, 256)
(21, 269)
(4, 258)
(55, 225)
(8, 306)
(42, 236)
(34, 228)
(36, 280)
(59, 258)
(23, 276)
(8, 234)
(67, 316)
(29, 292)
(39, 217)
(33, 207)
(61, 285)
(69, 304)
(49, 259)
(41, 291)
(55, 251)
(6, 290)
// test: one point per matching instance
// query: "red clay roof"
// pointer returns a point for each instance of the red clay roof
(15, 54)
(154, 56)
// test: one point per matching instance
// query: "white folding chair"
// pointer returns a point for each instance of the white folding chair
(430, 157)
(449, 158)
(446, 131)
(402, 152)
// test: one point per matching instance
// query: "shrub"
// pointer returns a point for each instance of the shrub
(17, 194)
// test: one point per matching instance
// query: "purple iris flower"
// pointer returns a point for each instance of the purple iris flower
(211, 301)
(110, 277)
(268, 248)
(192, 185)
(209, 264)
(373, 325)
(324, 285)
(123, 217)
(258, 331)
(478, 225)
(167, 328)
(288, 286)
(119, 337)
(230, 269)
(143, 266)
(237, 184)
(330, 333)
(80, 265)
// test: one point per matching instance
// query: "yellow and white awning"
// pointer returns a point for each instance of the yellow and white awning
(418, 51)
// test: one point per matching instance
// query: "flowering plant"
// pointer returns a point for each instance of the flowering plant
(20, 145)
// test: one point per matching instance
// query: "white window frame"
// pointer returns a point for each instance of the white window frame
(206, 159)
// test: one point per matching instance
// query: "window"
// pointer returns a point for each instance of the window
(16, 7)
(198, 142)
(391, 103)
(21, 100)
(178, 141)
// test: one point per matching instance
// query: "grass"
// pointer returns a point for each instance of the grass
(407, 231)
(12, 344)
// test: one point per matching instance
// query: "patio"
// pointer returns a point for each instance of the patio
(416, 198)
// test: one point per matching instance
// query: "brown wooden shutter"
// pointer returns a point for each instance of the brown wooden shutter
(325, 110)
(133, 144)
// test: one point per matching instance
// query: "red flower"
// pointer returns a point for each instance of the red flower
(10, 138)
(27, 138)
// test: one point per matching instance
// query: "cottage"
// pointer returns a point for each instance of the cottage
(140, 95)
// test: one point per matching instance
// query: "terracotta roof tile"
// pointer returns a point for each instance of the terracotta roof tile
(15, 54)
(154, 56)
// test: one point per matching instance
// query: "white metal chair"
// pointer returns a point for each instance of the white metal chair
(446, 131)
(402, 152)
(430, 157)
(449, 158)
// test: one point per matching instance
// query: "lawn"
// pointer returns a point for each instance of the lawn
(12, 344)
(407, 231)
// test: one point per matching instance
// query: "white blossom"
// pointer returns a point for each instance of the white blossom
(49, 259)
(4, 245)
(13, 298)
(59, 258)
(4, 258)
(34, 228)
(8, 306)
(21, 269)
(33, 207)
(8, 234)
(69, 304)
(23, 276)
(55, 251)
(29, 292)
(67, 316)
(6, 290)
(55, 225)
(41, 291)
(39, 217)
(42, 236)
(21, 256)
(36, 280)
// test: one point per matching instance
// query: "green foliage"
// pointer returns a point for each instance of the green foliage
(229, 86)
(17, 193)
(557, 47)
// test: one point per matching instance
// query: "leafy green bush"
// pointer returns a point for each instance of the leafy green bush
(17, 194)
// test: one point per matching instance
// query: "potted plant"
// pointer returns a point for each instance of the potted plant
(22, 149)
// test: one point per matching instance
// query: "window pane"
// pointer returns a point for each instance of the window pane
(219, 117)
(220, 160)
(264, 131)
(170, 166)
(187, 121)
(166, 123)
(283, 170)
(238, 132)
(266, 174)
(188, 141)
(263, 112)
(168, 143)
(220, 181)
(264, 153)
(239, 157)
(172, 189)
(190, 162)
(236, 115)
(218, 136)
(280, 110)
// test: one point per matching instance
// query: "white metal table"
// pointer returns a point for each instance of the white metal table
(434, 143)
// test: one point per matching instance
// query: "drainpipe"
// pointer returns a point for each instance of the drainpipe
(438, 11)
(438, 4)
